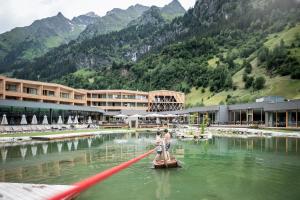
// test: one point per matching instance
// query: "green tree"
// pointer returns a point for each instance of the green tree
(259, 83)
(247, 66)
(249, 82)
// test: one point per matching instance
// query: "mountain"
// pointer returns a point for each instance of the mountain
(224, 50)
(172, 10)
(32, 41)
(27, 43)
(114, 20)
(86, 19)
(99, 52)
(118, 19)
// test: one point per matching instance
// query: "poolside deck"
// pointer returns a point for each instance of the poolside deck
(25, 191)
(62, 136)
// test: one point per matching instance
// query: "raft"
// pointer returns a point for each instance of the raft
(160, 164)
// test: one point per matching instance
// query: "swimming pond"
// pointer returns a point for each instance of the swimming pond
(220, 168)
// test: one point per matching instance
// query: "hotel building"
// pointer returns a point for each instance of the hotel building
(25, 94)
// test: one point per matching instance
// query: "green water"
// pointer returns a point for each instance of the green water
(221, 168)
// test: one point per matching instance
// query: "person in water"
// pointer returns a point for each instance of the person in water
(167, 140)
(158, 143)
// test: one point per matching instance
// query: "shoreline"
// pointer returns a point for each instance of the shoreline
(215, 131)
(251, 132)
(24, 140)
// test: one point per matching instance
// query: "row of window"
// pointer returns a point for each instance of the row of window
(28, 90)
(118, 104)
(117, 96)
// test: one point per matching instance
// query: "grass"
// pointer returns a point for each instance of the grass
(213, 62)
(287, 35)
(277, 85)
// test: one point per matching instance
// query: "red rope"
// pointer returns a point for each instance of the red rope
(89, 182)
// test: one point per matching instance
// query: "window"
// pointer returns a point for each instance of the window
(102, 96)
(129, 97)
(114, 104)
(64, 95)
(141, 97)
(11, 87)
(99, 104)
(48, 93)
(142, 105)
(128, 104)
(114, 96)
(76, 96)
(30, 90)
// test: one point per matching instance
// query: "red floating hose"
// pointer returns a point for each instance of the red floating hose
(89, 182)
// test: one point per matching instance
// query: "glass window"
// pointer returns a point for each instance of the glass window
(29, 90)
(48, 93)
(64, 95)
(77, 96)
(11, 87)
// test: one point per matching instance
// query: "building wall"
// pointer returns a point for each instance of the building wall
(108, 100)
(40, 92)
(164, 100)
(116, 100)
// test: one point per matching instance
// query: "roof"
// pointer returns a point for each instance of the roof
(255, 105)
(288, 105)
(31, 104)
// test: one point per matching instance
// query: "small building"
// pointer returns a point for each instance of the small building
(270, 99)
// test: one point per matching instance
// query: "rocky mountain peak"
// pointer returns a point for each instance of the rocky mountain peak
(173, 7)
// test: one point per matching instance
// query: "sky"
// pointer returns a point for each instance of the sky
(18, 13)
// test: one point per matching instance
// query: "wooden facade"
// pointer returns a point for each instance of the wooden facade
(108, 100)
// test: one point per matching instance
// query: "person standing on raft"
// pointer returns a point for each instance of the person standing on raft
(159, 146)
(167, 140)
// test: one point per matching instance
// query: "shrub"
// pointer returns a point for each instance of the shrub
(249, 82)
(259, 83)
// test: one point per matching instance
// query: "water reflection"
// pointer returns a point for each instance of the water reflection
(48, 160)
(162, 180)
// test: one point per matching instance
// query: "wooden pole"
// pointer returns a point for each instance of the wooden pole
(286, 119)
(234, 116)
(276, 119)
(240, 117)
(261, 119)
(296, 118)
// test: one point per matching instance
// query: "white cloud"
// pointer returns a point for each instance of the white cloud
(18, 13)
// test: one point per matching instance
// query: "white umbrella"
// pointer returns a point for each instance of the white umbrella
(45, 120)
(23, 120)
(136, 116)
(34, 120)
(70, 120)
(59, 121)
(120, 116)
(157, 121)
(76, 120)
(170, 115)
(90, 120)
(4, 120)
(153, 115)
